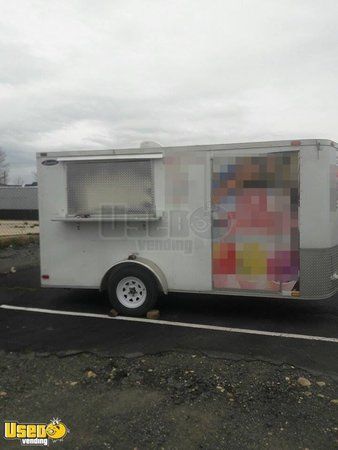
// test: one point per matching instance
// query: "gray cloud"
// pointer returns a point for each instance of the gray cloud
(83, 74)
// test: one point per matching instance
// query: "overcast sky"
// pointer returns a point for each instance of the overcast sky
(93, 74)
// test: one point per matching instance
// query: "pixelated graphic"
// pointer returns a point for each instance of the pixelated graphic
(256, 199)
(180, 183)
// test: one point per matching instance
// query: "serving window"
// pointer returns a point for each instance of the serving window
(97, 188)
(113, 187)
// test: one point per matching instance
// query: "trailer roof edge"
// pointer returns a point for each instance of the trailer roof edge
(200, 147)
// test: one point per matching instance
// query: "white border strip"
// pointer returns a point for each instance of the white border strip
(174, 324)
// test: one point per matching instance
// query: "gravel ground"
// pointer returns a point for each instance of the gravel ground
(13, 257)
(171, 401)
(165, 401)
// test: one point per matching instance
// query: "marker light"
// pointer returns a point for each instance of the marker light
(295, 294)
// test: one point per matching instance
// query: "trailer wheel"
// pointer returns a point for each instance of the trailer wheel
(132, 291)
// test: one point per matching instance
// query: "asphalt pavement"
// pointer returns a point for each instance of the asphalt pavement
(53, 333)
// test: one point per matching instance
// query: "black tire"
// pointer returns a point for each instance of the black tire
(149, 296)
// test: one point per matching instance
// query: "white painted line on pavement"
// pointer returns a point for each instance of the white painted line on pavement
(173, 324)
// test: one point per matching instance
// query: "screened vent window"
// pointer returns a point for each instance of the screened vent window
(110, 188)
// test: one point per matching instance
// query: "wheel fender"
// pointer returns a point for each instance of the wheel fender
(147, 263)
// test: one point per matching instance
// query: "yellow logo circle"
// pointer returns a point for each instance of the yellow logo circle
(56, 430)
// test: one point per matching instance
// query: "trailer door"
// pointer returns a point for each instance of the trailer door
(255, 235)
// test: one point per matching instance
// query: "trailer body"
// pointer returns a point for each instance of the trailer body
(242, 219)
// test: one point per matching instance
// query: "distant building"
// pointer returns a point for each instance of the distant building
(18, 202)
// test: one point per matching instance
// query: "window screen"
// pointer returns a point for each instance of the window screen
(110, 187)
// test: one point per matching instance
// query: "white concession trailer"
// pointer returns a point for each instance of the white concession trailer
(256, 219)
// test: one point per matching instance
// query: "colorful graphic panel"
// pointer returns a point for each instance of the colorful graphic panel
(255, 222)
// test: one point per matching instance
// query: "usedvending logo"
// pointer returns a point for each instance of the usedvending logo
(36, 434)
